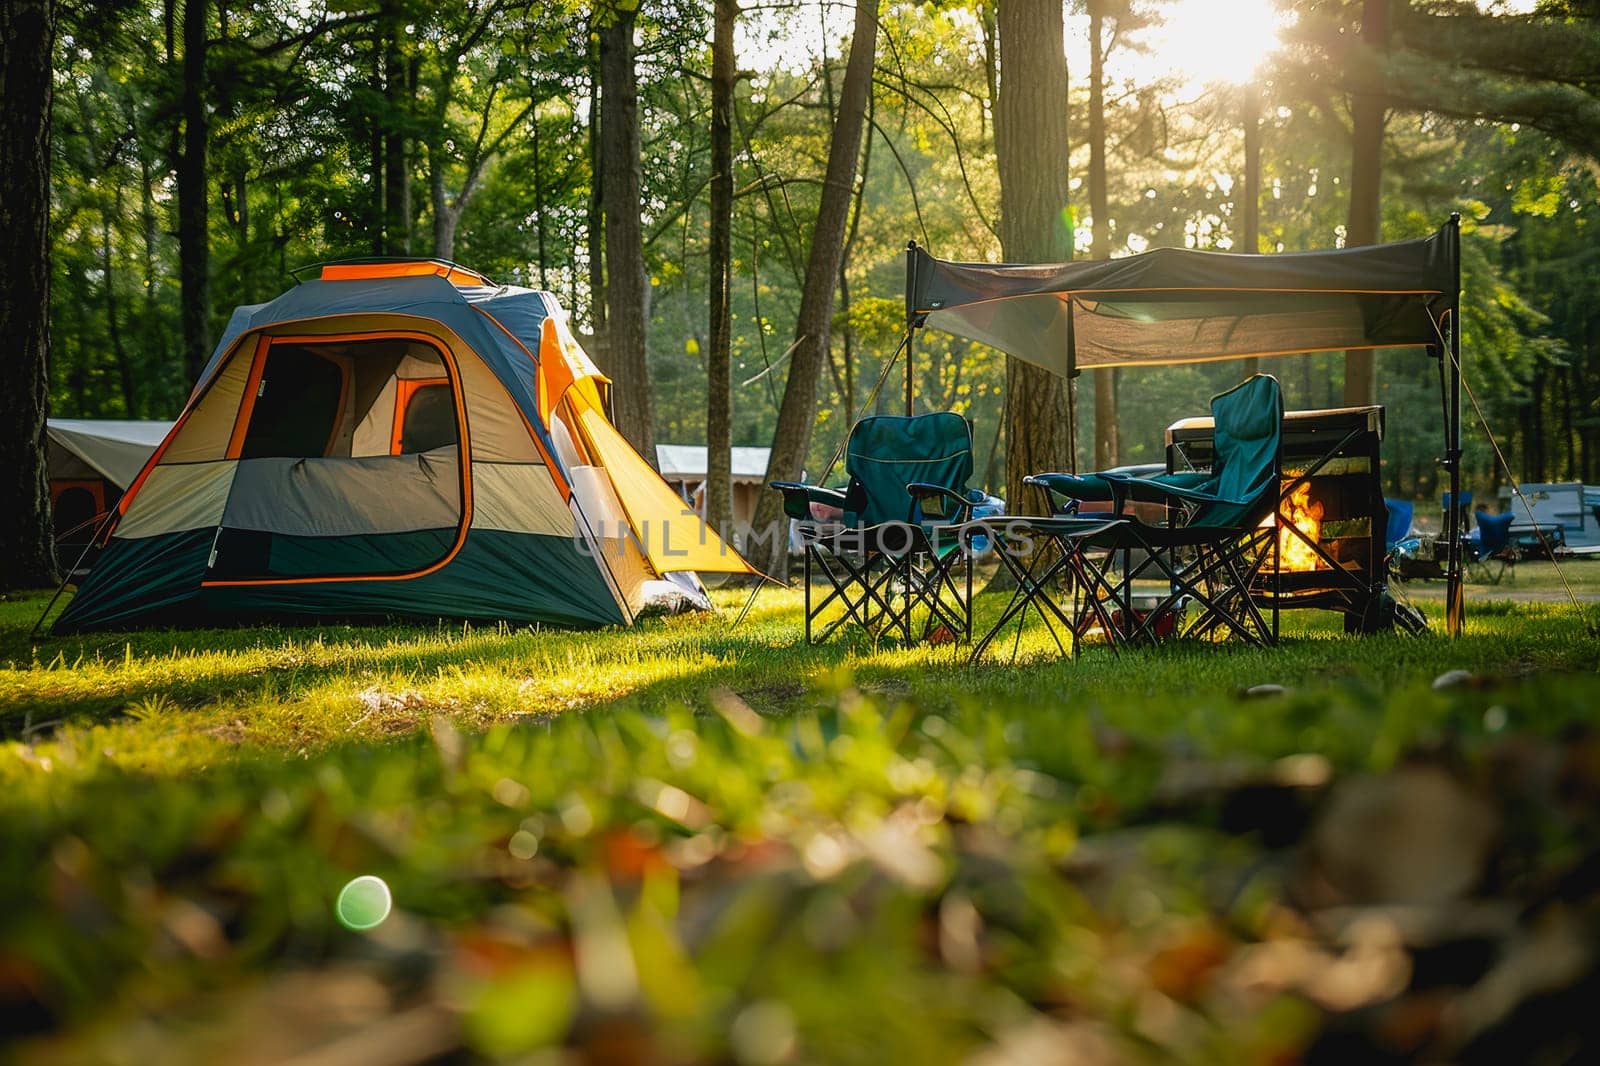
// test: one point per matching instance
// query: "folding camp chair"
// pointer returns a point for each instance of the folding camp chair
(888, 546)
(1490, 543)
(1218, 538)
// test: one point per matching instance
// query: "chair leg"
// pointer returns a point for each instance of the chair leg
(1030, 588)
(859, 587)
(1200, 581)
(806, 581)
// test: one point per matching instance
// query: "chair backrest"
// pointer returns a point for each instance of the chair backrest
(886, 453)
(1247, 430)
(1400, 514)
(1494, 531)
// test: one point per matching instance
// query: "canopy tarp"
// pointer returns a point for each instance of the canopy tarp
(1175, 305)
(115, 449)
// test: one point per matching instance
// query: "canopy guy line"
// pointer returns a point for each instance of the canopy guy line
(1516, 491)
(871, 397)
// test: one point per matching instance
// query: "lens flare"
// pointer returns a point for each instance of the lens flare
(364, 903)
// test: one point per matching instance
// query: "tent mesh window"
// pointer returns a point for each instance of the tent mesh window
(349, 464)
(297, 405)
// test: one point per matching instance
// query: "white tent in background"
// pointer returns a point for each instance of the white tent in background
(91, 463)
(111, 448)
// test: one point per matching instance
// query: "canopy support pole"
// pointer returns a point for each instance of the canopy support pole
(1072, 390)
(1455, 591)
(911, 355)
(911, 326)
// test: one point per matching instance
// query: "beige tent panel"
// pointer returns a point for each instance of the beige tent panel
(518, 498)
(205, 433)
(496, 430)
(499, 435)
(375, 432)
(179, 497)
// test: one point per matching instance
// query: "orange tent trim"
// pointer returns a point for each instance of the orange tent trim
(420, 268)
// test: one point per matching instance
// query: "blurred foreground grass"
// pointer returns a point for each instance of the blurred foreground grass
(693, 842)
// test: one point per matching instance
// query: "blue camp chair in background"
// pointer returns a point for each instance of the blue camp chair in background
(1212, 549)
(1490, 544)
(888, 544)
(1398, 527)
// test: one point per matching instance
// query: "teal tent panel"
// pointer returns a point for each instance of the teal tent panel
(249, 554)
(497, 576)
(139, 581)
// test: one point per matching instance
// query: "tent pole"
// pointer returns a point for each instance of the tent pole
(911, 325)
(1455, 592)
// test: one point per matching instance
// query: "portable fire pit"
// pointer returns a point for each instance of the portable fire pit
(1330, 518)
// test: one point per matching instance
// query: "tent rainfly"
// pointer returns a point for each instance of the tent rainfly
(1175, 305)
(396, 439)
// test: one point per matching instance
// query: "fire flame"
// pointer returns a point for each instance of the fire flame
(1301, 512)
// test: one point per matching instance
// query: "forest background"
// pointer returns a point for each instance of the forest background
(204, 151)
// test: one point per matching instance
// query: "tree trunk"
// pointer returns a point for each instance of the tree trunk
(594, 222)
(446, 219)
(797, 414)
(844, 267)
(538, 189)
(153, 340)
(627, 287)
(27, 53)
(119, 350)
(1030, 130)
(1567, 434)
(719, 398)
(991, 63)
(396, 168)
(1536, 448)
(1366, 179)
(1107, 442)
(194, 249)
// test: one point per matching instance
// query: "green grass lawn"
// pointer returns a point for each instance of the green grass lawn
(694, 841)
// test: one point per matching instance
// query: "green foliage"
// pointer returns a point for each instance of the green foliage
(491, 104)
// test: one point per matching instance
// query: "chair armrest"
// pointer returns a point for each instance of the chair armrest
(1075, 486)
(798, 498)
(1063, 492)
(923, 494)
(1161, 488)
(1153, 490)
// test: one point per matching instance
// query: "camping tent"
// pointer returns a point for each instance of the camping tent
(395, 439)
(1175, 305)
